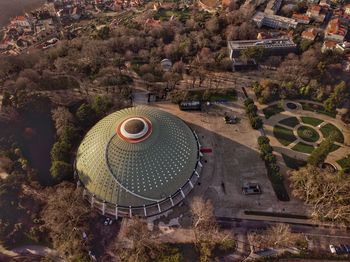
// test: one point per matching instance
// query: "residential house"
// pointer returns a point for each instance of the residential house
(328, 45)
(309, 34)
(21, 21)
(317, 13)
(301, 18)
(336, 30)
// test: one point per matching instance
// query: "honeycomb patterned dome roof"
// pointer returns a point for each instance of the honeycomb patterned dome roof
(137, 156)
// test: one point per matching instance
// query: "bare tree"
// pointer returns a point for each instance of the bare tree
(277, 236)
(62, 118)
(328, 194)
(137, 243)
(66, 215)
(205, 228)
(202, 214)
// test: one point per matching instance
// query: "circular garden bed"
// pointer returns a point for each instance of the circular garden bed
(308, 134)
(291, 106)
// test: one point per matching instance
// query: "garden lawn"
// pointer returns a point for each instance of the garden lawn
(304, 148)
(166, 14)
(334, 147)
(290, 121)
(225, 94)
(272, 110)
(311, 120)
(293, 163)
(345, 163)
(318, 109)
(308, 134)
(284, 135)
(329, 129)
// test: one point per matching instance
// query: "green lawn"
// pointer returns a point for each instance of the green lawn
(293, 163)
(212, 95)
(311, 120)
(329, 129)
(284, 135)
(272, 110)
(308, 134)
(334, 147)
(290, 121)
(345, 163)
(304, 148)
(318, 109)
(166, 14)
(223, 94)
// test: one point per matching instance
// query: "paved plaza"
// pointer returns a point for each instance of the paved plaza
(234, 161)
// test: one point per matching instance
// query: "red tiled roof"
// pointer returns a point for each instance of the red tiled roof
(300, 17)
(329, 44)
(335, 27)
(310, 33)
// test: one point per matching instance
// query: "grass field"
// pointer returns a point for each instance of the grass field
(308, 134)
(345, 162)
(318, 109)
(284, 135)
(293, 163)
(290, 121)
(224, 94)
(304, 148)
(272, 110)
(166, 14)
(334, 147)
(328, 129)
(311, 120)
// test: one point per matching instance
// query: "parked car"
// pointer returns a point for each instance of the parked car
(251, 189)
(333, 250)
(230, 119)
(347, 247)
(106, 223)
(343, 249)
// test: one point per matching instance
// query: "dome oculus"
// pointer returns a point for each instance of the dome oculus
(134, 129)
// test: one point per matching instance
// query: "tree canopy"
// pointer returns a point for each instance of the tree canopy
(327, 194)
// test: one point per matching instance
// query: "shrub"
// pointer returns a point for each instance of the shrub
(86, 115)
(60, 151)
(265, 148)
(276, 179)
(263, 140)
(251, 109)
(60, 170)
(256, 122)
(320, 154)
(248, 101)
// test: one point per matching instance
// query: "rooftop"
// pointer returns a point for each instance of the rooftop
(266, 43)
(151, 156)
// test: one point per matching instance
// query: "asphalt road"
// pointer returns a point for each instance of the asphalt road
(244, 226)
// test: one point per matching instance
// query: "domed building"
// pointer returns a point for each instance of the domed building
(139, 161)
